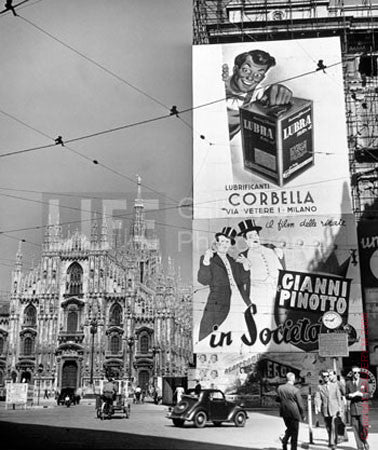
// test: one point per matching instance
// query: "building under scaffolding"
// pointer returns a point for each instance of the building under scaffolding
(356, 22)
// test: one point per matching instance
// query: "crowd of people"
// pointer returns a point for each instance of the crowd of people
(331, 400)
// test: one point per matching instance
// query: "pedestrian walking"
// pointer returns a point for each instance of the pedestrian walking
(328, 402)
(357, 391)
(341, 420)
(138, 393)
(291, 410)
(157, 395)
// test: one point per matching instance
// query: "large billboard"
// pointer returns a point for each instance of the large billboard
(275, 252)
(269, 129)
(266, 291)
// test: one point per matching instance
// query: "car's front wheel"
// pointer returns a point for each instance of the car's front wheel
(240, 419)
(200, 419)
(178, 422)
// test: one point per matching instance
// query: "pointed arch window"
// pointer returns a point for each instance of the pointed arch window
(116, 315)
(28, 346)
(30, 315)
(144, 343)
(72, 320)
(74, 279)
(115, 344)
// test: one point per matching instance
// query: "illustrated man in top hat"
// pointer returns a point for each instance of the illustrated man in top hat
(228, 282)
(264, 262)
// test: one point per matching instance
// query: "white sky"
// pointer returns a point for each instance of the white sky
(52, 89)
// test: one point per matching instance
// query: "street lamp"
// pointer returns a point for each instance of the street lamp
(155, 351)
(94, 324)
(39, 370)
(130, 343)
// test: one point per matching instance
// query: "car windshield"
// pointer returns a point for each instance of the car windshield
(216, 395)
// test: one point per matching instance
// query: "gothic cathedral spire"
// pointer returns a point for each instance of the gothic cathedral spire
(139, 225)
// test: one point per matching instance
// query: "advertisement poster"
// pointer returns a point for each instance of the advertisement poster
(269, 129)
(368, 249)
(260, 294)
(16, 393)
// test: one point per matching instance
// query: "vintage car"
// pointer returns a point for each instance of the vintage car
(210, 406)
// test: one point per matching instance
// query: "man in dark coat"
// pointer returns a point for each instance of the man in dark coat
(291, 410)
(357, 391)
(213, 273)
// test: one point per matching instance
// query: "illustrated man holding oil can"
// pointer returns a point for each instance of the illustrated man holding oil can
(242, 87)
(276, 128)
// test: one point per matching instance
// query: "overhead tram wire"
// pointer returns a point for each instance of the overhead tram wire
(5, 234)
(119, 216)
(126, 216)
(211, 144)
(22, 5)
(89, 159)
(204, 204)
(130, 125)
(112, 73)
(96, 162)
(102, 67)
(59, 194)
(92, 61)
(87, 136)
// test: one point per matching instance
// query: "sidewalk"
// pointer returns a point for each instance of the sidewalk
(267, 430)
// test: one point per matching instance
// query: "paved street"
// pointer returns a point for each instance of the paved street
(78, 428)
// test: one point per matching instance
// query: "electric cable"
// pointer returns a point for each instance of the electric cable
(102, 67)
(82, 156)
(130, 125)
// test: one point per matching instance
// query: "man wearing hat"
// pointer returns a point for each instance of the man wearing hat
(228, 282)
(264, 262)
(357, 392)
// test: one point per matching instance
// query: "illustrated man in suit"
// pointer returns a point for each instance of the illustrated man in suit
(264, 263)
(357, 391)
(328, 401)
(228, 280)
(291, 410)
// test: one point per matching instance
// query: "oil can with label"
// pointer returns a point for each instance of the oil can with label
(277, 141)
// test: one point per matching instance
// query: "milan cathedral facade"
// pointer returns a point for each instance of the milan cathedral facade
(89, 309)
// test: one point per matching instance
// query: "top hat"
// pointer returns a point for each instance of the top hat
(248, 225)
(229, 233)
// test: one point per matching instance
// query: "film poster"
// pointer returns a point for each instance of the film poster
(263, 320)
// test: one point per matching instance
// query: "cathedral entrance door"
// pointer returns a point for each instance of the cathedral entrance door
(69, 375)
(144, 378)
(25, 377)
